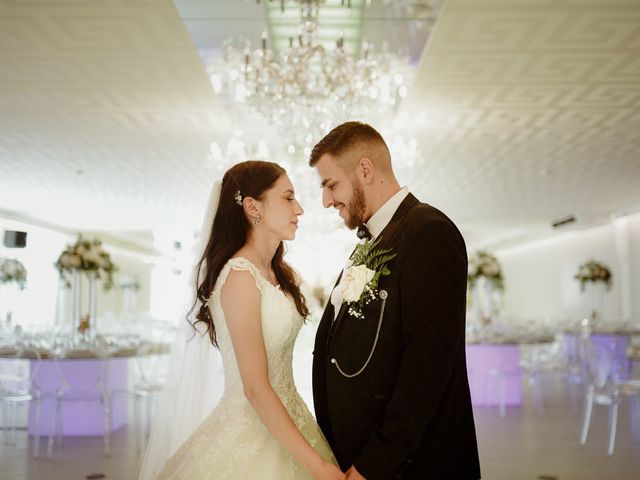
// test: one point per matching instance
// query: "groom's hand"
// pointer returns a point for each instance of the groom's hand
(353, 474)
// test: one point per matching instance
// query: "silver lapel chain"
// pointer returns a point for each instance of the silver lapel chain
(383, 296)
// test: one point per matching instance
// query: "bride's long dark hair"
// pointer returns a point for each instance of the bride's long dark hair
(229, 233)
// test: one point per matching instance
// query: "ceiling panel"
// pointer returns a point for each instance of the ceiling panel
(522, 110)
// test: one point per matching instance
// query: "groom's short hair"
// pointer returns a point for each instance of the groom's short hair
(344, 137)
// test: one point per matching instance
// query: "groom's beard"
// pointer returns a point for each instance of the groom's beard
(356, 207)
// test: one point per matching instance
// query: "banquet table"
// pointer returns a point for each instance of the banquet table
(633, 354)
(615, 338)
(489, 358)
(88, 372)
(82, 418)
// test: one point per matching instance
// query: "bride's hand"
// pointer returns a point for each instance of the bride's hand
(328, 471)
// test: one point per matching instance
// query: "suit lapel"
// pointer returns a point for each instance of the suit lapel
(334, 319)
(391, 229)
(336, 322)
(386, 236)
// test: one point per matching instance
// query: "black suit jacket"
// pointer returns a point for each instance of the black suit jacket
(408, 414)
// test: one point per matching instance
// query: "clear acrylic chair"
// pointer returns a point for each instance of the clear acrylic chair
(505, 369)
(150, 378)
(574, 368)
(605, 388)
(535, 362)
(540, 363)
(151, 381)
(17, 386)
(74, 390)
(500, 375)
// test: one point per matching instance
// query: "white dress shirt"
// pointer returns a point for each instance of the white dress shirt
(379, 220)
(376, 224)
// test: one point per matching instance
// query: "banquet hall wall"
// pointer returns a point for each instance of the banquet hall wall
(39, 303)
(539, 276)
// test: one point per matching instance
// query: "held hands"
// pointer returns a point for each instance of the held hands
(327, 471)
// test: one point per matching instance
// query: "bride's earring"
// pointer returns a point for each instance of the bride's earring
(257, 220)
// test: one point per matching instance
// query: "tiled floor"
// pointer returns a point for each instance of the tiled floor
(523, 445)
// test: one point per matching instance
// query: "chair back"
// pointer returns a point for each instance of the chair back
(17, 375)
(151, 367)
(73, 378)
(601, 365)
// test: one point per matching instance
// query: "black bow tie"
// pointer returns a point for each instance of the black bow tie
(363, 232)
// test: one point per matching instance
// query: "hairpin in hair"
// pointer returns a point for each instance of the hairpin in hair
(238, 197)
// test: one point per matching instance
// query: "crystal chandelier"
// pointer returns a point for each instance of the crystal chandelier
(346, 3)
(310, 88)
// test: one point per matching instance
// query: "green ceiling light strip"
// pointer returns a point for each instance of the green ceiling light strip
(335, 20)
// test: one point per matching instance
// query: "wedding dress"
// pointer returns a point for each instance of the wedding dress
(232, 442)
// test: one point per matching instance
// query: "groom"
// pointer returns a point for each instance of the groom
(389, 376)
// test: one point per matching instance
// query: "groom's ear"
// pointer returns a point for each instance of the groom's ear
(365, 170)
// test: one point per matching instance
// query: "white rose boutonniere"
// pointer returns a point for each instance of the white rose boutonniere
(355, 279)
(360, 283)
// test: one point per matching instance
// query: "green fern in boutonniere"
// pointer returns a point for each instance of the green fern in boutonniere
(360, 283)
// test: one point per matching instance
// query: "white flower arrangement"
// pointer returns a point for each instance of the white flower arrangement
(87, 256)
(359, 285)
(593, 271)
(483, 264)
(12, 271)
(355, 280)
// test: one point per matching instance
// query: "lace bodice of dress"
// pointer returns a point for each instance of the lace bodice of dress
(281, 324)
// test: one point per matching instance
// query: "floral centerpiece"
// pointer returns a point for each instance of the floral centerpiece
(486, 284)
(593, 272)
(81, 266)
(483, 264)
(86, 256)
(12, 271)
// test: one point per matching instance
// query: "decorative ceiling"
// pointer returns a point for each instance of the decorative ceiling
(522, 111)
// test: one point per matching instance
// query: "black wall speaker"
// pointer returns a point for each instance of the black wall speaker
(14, 239)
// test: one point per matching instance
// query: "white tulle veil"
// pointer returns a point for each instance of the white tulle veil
(195, 381)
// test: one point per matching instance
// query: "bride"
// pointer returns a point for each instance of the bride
(248, 305)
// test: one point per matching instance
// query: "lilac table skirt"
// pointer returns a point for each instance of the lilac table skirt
(484, 361)
(616, 343)
(81, 418)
